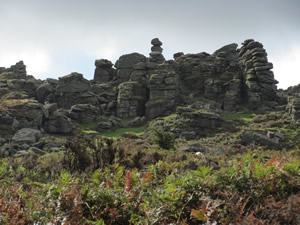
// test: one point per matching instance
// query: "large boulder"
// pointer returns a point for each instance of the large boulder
(84, 113)
(43, 91)
(72, 83)
(26, 136)
(265, 138)
(21, 113)
(125, 65)
(104, 71)
(59, 123)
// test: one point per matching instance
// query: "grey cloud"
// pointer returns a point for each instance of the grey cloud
(91, 27)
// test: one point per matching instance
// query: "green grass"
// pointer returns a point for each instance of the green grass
(121, 131)
(88, 128)
(247, 116)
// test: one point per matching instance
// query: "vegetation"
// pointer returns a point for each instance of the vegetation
(137, 180)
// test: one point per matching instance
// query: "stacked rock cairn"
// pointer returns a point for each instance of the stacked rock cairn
(156, 52)
(259, 79)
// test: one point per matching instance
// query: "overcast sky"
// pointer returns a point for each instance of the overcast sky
(57, 37)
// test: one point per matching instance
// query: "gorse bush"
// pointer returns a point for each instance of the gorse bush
(164, 139)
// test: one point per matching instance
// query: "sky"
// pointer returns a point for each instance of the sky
(57, 37)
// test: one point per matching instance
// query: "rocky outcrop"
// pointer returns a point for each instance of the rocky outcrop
(214, 77)
(125, 65)
(190, 123)
(84, 113)
(73, 89)
(58, 123)
(293, 108)
(104, 71)
(131, 99)
(265, 138)
(163, 88)
(259, 83)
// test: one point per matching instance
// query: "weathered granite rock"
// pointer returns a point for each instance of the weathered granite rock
(74, 89)
(156, 52)
(125, 65)
(214, 77)
(26, 136)
(260, 85)
(190, 122)
(131, 99)
(17, 71)
(58, 123)
(265, 138)
(163, 87)
(43, 91)
(293, 108)
(24, 113)
(104, 71)
(84, 113)
(72, 83)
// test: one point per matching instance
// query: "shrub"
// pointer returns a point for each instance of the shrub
(164, 139)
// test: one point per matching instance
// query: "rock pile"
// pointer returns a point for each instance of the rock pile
(156, 51)
(104, 71)
(260, 85)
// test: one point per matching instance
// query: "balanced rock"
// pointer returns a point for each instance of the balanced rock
(156, 51)
(104, 71)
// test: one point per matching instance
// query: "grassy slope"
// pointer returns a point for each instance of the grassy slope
(144, 184)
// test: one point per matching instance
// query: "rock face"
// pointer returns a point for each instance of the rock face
(131, 99)
(125, 65)
(58, 123)
(104, 71)
(293, 108)
(215, 77)
(259, 83)
(84, 113)
(163, 87)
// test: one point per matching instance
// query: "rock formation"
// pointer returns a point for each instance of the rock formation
(104, 71)
(228, 80)
(156, 51)
(259, 83)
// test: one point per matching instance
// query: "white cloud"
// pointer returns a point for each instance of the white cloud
(287, 67)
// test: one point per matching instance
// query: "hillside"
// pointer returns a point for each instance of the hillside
(201, 139)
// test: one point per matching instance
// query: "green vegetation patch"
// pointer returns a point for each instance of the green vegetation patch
(247, 116)
(121, 131)
(88, 128)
